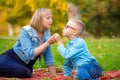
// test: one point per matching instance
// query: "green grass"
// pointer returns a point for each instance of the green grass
(106, 51)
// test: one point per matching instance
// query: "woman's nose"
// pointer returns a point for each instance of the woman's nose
(51, 20)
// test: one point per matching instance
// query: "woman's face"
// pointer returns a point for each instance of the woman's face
(47, 21)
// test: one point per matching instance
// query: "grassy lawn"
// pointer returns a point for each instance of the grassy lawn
(107, 52)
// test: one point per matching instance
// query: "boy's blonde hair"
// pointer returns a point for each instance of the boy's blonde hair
(37, 19)
(79, 25)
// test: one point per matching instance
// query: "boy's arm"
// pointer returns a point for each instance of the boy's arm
(61, 48)
(68, 66)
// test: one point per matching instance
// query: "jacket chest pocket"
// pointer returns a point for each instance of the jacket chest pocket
(35, 42)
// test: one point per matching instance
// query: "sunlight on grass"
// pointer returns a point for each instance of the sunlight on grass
(105, 50)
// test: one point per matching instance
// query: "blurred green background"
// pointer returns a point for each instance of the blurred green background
(102, 17)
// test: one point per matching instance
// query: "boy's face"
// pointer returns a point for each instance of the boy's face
(69, 29)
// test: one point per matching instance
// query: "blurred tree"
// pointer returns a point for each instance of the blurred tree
(73, 11)
(106, 18)
(20, 12)
(59, 9)
(100, 16)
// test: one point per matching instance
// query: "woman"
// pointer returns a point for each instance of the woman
(33, 42)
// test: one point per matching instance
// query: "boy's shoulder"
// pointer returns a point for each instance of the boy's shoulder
(81, 40)
(77, 41)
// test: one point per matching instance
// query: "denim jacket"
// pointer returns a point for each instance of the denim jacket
(28, 41)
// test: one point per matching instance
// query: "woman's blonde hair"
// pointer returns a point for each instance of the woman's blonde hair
(37, 19)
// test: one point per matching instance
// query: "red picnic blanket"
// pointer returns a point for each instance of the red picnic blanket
(43, 74)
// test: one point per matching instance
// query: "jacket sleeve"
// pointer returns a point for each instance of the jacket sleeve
(26, 44)
(48, 56)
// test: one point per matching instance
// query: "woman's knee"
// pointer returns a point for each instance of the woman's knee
(23, 73)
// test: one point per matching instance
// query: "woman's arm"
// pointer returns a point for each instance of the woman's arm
(42, 47)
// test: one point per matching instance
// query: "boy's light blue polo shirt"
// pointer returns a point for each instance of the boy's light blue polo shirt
(76, 54)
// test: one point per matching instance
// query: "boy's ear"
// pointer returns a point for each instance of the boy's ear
(76, 32)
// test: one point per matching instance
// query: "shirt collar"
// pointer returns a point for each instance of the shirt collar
(73, 40)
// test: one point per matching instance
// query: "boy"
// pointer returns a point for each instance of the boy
(76, 54)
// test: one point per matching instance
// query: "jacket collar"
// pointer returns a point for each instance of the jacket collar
(33, 33)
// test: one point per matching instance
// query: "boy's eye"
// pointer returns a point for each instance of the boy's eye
(48, 18)
(67, 26)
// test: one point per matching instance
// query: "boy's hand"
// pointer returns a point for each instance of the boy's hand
(57, 38)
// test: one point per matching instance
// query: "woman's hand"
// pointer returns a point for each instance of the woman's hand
(51, 40)
(52, 71)
(68, 78)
